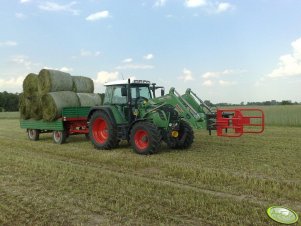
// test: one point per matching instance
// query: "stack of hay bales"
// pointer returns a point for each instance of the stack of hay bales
(45, 95)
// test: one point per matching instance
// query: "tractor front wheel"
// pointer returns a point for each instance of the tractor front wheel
(145, 138)
(102, 131)
(184, 139)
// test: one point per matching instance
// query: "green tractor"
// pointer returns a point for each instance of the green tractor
(132, 112)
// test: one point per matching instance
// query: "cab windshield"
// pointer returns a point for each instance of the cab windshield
(140, 91)
(113, 94)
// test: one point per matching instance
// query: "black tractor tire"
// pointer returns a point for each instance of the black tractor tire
(87, 136)
(145, 138)
(59, 137)
(102, 131)
(33, 134)
(184, 139)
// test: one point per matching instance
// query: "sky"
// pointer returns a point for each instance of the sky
(224, 50)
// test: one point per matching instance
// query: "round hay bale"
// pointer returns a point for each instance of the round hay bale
(82, 84)
(24, 107)
(89, 99)
(53, 103)
(35, 108)
(30, 84)
(53, 81)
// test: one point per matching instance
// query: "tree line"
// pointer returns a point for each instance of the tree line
(263, 103)
(9, 101)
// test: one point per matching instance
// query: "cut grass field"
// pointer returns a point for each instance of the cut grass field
(218, 181)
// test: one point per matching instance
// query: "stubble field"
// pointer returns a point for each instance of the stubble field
(219, 181)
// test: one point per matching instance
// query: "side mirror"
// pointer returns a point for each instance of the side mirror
(123, 91)
(162, 92)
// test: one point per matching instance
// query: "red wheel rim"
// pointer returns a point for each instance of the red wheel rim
(57, 135)
(141, 139)
(100, 130)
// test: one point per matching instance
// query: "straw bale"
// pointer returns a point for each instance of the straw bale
(82, 84)
(54, 102)
(53, 81)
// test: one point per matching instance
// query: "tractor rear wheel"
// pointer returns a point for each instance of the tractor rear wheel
(184, 139)
(102, 131)
(145, 138)
(33, 134)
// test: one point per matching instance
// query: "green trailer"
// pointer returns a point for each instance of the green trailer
(73, 121)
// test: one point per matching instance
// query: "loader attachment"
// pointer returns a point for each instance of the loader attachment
(236, 122)
(226, 122)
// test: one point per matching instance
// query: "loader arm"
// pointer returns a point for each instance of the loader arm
(227, 122)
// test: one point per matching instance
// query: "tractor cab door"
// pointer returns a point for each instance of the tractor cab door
(117, 96)
(139, 94)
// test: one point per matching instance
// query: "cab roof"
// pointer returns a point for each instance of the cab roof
(125, 81)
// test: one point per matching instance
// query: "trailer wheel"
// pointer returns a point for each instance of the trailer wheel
(145, 138)
(33, 134)
(185, 138)
(59, 137)
(102, 131)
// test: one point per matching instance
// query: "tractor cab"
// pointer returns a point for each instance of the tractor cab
(126, 95)
(130, 92)
(122, 92)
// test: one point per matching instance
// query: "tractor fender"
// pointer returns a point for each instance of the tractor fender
(133, 123)
(107, 110)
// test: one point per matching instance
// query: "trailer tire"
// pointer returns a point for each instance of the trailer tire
(145, 138)
(59, 137)
(102, 131)
(33, 134)
(87, 136)
(185, 138)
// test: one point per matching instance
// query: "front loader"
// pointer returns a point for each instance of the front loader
(132, 112)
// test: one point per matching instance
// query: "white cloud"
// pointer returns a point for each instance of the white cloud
(8, 43)
(98, 16)
(186, 76)
(135, 66)
(88, 53)
(289, 64)
(20, 15)
(223, 7)
(208, 83)
(160, 3)
(195, 3)
(56, 7)
(217, 74)
(64, 69)
(210, 6)
(13, 84)
(22, 60)
(105, 76)
(148, 56)
(25, 1)
(211, 77)
(127, 60)
(227, 83)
